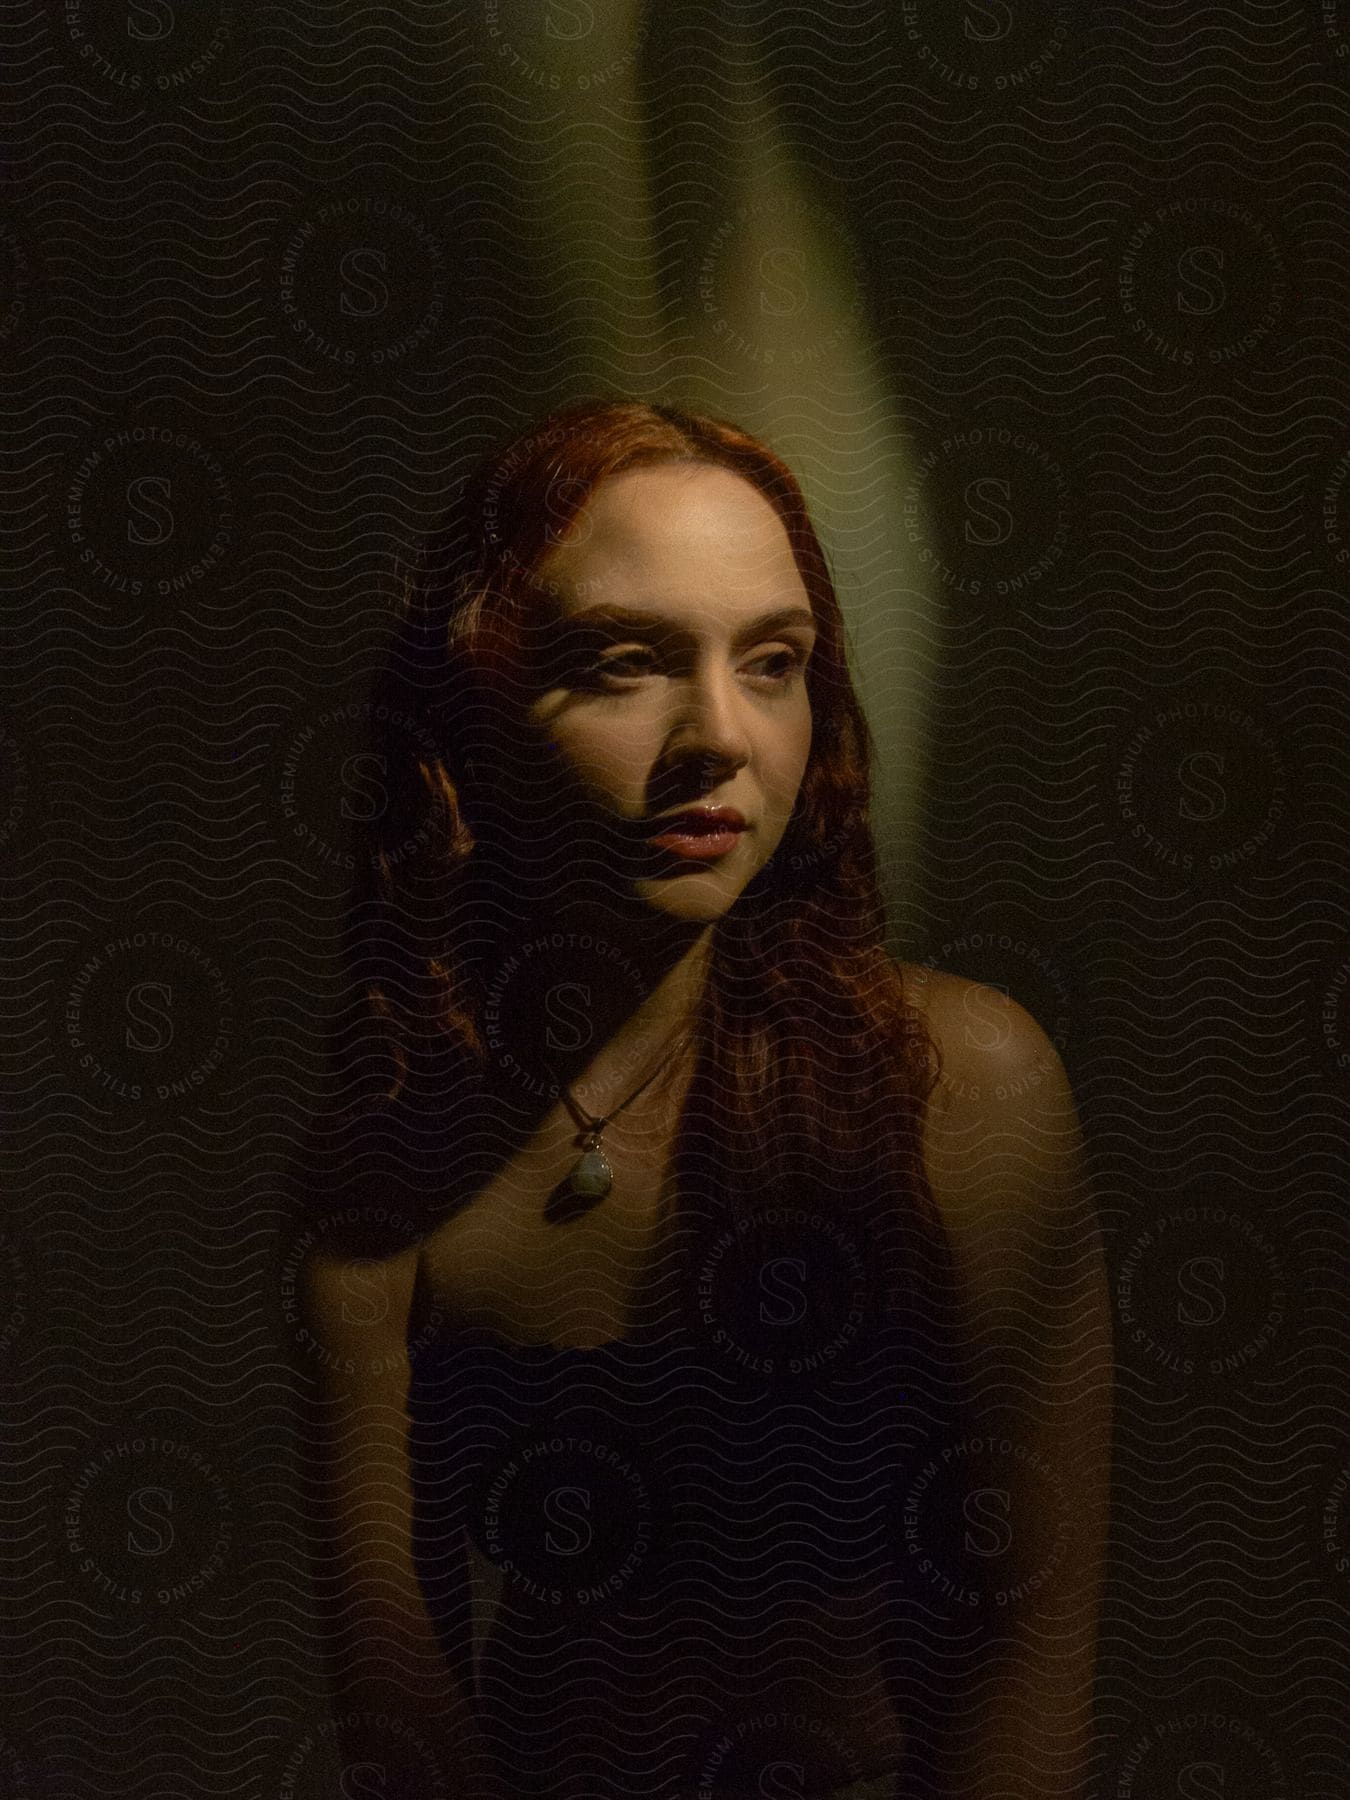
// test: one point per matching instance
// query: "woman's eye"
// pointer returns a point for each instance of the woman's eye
(632, 662)
(782, 665)
(786, 664)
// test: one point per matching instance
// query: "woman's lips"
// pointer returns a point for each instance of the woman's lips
(691, 838)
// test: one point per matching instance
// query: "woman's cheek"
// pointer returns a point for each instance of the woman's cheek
(613, 760)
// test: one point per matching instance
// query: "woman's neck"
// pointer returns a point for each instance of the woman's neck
(600, 1007)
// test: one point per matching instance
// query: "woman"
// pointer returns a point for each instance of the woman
(734, 1420)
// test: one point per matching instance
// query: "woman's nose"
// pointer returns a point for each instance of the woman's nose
(709, 718)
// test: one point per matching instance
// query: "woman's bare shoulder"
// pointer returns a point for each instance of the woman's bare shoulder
(1004, 1156)
(1002, 1127)
(990, 1047)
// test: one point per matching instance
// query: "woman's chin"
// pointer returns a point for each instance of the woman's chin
(695, 893)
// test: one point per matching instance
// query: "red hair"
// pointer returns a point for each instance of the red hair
(813, 1066)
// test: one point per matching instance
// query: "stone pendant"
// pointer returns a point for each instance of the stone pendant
(592, 1176)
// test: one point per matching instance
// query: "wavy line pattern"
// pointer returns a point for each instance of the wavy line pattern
(1047, 307)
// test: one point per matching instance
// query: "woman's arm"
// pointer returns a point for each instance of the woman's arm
(381, 1653)
(1005, 1160)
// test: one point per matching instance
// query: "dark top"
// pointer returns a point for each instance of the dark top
(697, 1545)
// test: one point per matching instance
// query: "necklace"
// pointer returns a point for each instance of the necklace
(591, 1176)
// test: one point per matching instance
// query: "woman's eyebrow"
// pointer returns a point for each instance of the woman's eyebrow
(645, 624)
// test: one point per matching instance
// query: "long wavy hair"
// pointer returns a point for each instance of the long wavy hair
(813, 1070)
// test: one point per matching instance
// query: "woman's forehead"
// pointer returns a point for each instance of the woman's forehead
(689, 537)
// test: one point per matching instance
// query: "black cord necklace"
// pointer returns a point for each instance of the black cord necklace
(591, 1176)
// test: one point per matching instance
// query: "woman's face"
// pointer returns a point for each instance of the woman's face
(673, 674)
